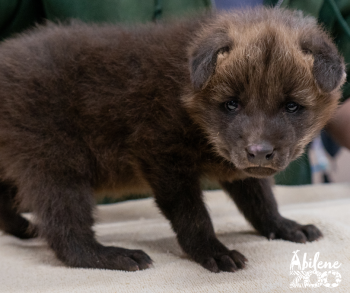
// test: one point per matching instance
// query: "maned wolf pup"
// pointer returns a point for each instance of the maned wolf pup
(232, 97)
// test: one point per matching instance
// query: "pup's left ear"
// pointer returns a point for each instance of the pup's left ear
(203, 57)
(328, 67)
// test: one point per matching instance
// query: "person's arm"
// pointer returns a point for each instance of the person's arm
(339, 126)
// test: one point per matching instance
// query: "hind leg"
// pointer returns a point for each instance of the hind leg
(63, 205)
(11, 221)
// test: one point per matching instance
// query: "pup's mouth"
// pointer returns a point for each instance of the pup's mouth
(259, 171)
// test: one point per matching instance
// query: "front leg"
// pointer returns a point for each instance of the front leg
(256, 201)
(177, 193)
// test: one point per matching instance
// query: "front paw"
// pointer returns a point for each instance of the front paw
(215, 257)
(292, 231)
(229, 261)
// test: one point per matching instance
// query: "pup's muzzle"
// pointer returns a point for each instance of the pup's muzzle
(260, 154)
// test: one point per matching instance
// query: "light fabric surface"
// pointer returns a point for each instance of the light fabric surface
(29, 266)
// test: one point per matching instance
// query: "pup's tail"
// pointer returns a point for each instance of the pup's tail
(11, 221)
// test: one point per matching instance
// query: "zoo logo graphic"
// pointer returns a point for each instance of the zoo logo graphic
(302, 277)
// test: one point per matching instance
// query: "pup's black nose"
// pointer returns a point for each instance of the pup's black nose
(260, 153)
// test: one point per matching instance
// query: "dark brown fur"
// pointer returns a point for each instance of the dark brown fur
(90, 108)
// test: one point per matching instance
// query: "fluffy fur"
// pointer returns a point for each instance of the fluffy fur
(157, 108)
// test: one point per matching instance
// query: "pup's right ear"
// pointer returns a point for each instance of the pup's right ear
(328, 68)
(203, 57)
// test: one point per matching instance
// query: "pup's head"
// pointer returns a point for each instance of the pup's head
(264, 83)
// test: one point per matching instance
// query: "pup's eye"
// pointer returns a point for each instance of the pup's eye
(232, 106)
(292, 107)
